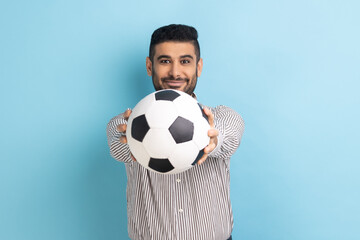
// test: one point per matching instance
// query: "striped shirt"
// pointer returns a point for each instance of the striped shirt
(194, 204)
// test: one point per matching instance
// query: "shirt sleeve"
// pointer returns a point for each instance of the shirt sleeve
(231, 128)
(119, 151)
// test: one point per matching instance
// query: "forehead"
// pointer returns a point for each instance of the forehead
(175, 49)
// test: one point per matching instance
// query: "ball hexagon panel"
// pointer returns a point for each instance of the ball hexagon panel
(161, 114)
(138, 151)
(201, 137)
(142, 106)
(160, 165)
(139, 128)
(159, 143)
(187, 107)
(182, 130)
(184, 155)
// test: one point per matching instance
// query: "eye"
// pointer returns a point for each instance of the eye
(185, 61)
(165, 61)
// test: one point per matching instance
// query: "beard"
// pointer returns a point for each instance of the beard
(190, 83)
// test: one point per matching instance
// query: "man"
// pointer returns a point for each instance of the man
(194, 204)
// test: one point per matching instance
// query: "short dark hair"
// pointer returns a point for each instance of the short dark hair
(177, 33)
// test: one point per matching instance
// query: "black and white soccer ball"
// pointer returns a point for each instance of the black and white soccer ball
(167, 131)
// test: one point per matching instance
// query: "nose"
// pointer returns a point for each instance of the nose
(175, 70)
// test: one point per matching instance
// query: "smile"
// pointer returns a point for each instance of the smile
(174, 83)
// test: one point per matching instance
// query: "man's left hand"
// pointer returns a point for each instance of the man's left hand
(212, 133)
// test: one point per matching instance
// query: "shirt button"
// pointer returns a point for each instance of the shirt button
(181, 210)
(178, 180)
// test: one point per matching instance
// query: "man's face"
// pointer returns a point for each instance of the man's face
(174, 66)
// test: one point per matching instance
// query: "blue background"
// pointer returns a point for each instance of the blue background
(290, 68)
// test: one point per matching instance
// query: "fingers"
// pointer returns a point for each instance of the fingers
(123, 139)
(213, 132)
(209, 148)
(210, 116)
(202, 159)
(127, 114)
(121, 128)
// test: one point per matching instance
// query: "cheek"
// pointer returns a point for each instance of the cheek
(156, 73)
(160, 70)
(193, 74)
(192, 71)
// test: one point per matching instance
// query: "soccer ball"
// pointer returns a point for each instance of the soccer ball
(167, 131)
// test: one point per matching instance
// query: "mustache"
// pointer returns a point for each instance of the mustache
(174, 79)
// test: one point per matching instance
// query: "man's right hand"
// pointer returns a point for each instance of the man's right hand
(122, 128)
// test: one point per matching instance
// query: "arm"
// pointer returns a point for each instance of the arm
(116, 139)
(231, 127)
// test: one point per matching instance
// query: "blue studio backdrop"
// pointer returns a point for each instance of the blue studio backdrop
(290, 68)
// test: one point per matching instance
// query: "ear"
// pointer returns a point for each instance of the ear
(148, 66)
(199, 67)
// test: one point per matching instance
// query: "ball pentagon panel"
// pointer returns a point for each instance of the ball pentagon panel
(182, 130)
(167, 95)
(139, 128)
(137, 111)
(162, 165)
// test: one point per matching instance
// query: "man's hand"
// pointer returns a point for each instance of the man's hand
(122, 128)
(212, 133)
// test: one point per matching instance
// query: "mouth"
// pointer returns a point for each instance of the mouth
(174, 83)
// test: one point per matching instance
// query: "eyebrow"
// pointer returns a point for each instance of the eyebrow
(167, 56)
(186, 56)
(163, 56)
